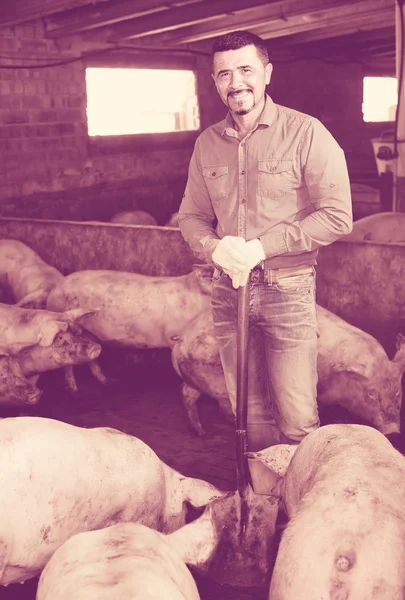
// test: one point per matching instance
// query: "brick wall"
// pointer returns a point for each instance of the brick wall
(49, 170)
(47, 167)
(42, 113)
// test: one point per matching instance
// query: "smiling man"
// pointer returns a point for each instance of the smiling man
(267, 187)
(241, 77)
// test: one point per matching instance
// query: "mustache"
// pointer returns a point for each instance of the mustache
(233, 92)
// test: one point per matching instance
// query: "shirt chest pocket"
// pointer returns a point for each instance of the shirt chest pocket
(216, 180)
(275, 178)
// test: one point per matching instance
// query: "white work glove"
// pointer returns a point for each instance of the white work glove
(240, 279)
(228, 254)
(254, 254)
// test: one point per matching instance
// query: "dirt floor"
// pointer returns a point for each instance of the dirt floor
(142, 398)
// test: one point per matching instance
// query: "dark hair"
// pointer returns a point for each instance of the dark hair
(239, 39)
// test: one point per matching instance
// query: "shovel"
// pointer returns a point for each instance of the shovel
(242, 472)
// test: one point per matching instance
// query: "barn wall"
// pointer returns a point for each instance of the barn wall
(363, 282)
(74, 246)
(49, 169)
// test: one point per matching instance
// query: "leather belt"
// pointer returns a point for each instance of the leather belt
(260, 275)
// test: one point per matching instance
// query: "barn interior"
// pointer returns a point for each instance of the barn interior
(61, 183)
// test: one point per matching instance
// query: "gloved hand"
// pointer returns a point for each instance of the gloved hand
(254, 253)
(228, 254)
(240, 279)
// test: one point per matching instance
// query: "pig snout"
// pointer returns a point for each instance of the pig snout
(76, 347)
(33, 396)
(93, 351)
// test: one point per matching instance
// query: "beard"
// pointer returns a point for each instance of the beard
(241, 109)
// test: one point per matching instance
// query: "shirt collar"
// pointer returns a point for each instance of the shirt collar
(266, 118)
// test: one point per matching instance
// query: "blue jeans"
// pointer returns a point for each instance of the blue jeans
(282, 356)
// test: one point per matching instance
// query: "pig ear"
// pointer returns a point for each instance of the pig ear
(49, 330)
(277, 458)
(36, 299)
(399, 357)
(195, 542)
(75, 314)
(203, 273)
(400, 341)
(199, 493)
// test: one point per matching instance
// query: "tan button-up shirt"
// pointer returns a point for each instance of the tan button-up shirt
(285, 183)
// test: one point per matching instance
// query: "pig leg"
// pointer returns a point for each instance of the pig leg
(96, 371)
(70, 379)
(190, 397)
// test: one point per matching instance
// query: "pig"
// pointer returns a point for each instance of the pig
(133, 310)
(15, 388)
(195, 358)
(39, 341)
(211, 544)
(127, 561)
(344, 494)
(23, 327)
(72, 347)
(57, 480)
(134, 217)
(385, 228)
(354, 371)
(23, 272)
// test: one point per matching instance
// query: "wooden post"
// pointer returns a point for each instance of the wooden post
(399, 184)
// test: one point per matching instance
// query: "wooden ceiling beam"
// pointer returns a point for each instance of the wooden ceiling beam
(90, 17)
(338, 39)
(291, 13)
(320, 31)
(175, 18)
(19, 11)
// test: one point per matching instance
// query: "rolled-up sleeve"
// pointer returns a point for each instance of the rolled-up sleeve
(196, 215)
(325, 174)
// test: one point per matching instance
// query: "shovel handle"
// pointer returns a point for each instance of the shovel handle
(242, 400)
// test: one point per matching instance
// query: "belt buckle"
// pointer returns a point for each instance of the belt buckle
(270, 276)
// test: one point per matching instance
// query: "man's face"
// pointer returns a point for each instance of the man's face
(241, 78)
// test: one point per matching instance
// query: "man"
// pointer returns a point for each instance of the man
(274, 182)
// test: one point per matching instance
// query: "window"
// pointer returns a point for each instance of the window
(130, 101)
(379, 98)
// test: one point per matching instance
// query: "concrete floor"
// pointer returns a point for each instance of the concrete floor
(142, 398)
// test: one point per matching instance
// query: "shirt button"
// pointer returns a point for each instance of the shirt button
(243, 172)
(213, 173)
(243, 201)
(332, 185)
